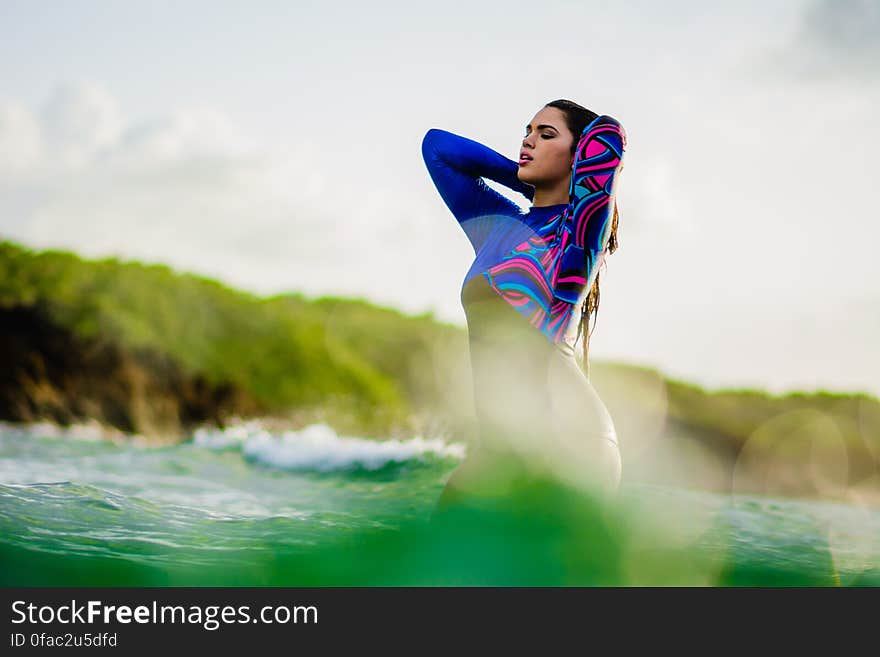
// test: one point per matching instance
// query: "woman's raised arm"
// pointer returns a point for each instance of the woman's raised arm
(586, 225)
(457, 166)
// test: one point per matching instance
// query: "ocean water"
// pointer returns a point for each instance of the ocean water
(244, 506)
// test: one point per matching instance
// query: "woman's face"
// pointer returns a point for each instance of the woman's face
(545, 155)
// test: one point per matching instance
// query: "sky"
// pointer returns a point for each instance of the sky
(276, 146)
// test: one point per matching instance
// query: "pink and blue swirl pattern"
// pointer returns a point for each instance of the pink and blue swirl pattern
(546, 276)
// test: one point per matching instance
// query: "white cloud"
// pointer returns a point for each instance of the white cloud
(78, 121)
(186, 188)
(831, 41)
(195, 131)
(21, 141)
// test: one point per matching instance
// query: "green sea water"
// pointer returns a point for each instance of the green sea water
(247, 507)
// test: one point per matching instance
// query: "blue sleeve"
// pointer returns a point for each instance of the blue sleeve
(457, 165)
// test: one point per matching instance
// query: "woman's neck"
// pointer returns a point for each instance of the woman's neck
(555, 195)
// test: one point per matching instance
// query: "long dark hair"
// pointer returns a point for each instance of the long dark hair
(576, 119)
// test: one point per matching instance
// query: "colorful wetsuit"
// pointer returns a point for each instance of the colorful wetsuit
(531, 272)
(542, 262)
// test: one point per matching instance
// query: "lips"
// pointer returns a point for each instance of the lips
(524, 157)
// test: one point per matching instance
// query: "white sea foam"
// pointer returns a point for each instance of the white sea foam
(318, 448)
(232, 436)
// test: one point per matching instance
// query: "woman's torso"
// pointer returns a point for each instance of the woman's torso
(532, 400)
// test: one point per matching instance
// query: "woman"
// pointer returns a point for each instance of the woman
(531, 287)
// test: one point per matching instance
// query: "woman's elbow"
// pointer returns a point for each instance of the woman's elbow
(430, 141)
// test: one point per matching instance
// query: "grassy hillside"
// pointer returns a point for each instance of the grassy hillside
(285, 352)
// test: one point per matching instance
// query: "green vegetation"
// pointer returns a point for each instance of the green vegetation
(344, 357)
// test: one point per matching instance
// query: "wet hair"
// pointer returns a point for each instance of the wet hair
(577, 118)
(591, 303)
